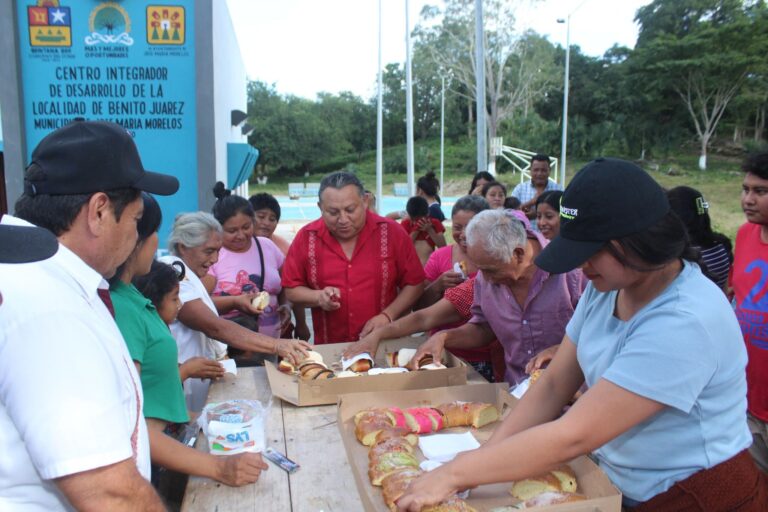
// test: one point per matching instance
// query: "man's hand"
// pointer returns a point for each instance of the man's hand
(240, 469)
(292, 350)
(329, 298)
(301, 331)
(540, 359)
(375, 322)
(434, 347)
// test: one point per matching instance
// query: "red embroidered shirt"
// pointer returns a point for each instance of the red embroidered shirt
(383, 261)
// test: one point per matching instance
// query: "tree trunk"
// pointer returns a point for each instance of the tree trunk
(470, 119)
(759, 123)
(703, 154)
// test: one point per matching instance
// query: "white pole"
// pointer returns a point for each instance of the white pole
(564, 141)
(442, 133)
(379, 134)
(482, 150)
(409, 105)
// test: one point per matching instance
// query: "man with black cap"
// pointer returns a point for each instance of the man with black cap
(70, 397)
(660, 349)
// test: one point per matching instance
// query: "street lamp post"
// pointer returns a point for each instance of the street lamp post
(564, 139)
(442, 131)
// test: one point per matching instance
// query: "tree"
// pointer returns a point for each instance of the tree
(516, 70)
(702, 50)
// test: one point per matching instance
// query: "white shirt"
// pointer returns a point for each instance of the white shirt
(193, 343)
(70, 397)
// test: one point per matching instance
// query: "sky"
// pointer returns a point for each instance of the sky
(308, 46)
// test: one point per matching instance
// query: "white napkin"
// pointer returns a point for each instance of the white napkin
(444, 447)
(346, 363)
(519, 390)
(229, 366)
(457, 269)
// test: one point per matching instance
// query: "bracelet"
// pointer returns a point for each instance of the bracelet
(386, 315)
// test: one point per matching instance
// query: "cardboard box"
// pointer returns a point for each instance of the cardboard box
(300, 392)
(592, 481)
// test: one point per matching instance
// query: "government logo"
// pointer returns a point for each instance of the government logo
(165, 25)
(49, 24)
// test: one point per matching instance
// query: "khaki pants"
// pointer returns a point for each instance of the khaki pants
(759, 448)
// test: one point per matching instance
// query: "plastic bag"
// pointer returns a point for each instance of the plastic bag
(235, 426)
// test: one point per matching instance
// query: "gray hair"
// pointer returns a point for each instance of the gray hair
(496, 233)
(339, 180)
(470, 203)
(192, 230)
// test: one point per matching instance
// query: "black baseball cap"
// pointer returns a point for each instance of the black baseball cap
(24, 244)
(607, 199)
(84, 157)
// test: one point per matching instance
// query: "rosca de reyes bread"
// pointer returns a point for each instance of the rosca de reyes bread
(464, 414)
(560, 480)
(260, 301)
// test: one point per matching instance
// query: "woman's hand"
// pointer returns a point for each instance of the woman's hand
(540, 359)
(243, 303)
(201, 368)
(374, 323)
(367, 344)
(428, 489)
(240, 469)
(329, 298)
(434, 347)
(448, 279)
(292, 350)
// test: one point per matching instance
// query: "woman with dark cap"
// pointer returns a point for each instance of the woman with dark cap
(660, 350)
(716, 249)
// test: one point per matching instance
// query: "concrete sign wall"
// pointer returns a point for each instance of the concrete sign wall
(132, 63)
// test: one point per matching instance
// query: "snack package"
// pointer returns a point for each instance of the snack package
(234, 426)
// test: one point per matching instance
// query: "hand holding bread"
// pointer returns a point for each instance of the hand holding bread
(433, 348)
(292, 350)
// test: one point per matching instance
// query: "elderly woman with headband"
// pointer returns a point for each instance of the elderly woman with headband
(660, 349)
(195, 240)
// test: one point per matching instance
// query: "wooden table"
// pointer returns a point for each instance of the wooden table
(307, 435)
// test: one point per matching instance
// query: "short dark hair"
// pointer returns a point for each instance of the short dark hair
(56, 213)
(482, 175)
(488, 186)
(339, 180)
(161, 280)
(228, 205)
(417, 207)
(757, 164)
(512, 203)
(540, 157)
(262, 201)
(552, 198)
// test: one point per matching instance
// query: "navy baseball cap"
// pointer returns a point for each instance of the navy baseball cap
(85, 157)
(608, 199)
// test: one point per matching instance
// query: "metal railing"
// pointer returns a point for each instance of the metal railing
(520, 160)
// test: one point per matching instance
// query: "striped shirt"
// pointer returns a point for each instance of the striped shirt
(718, 263)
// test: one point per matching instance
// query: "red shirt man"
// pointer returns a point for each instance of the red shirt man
(355, 269)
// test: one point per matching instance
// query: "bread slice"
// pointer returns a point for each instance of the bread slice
(367, 430)
(393, 432)
(394, 485)
(389, 463)
(418, 421)
(394, 444)
(567, 478)
(530, 487)
(483, 414)
(396, 416)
